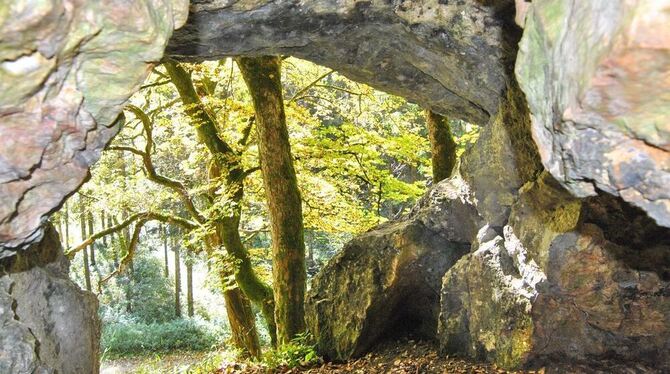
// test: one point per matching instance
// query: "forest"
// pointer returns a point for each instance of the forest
(229, 187)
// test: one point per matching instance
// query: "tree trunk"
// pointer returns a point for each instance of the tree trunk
(129, 277)
(240, 315)
(442, 146)
(189, 285)
(177, 280)
(91, 231)
(102, 227)
(226, 161)
(242, 322)
(66, 216)
(115, 255)
(82, 224)
(263, 78)
(164, 231)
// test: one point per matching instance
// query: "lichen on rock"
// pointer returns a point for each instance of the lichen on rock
(42, 311)
(387, 281)
(596, 77)
(66, 70)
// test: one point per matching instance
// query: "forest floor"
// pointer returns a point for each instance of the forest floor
(397, 357)
(169, 363)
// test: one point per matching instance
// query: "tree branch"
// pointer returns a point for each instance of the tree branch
(145, 216)
(306, 88)
(135, 238)
(152, 175)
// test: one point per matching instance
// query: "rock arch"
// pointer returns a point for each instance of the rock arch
(583, 70)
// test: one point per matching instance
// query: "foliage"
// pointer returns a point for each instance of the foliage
(301, 351)
(128, 339)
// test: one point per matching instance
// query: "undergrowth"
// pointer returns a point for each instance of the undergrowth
(134, 338)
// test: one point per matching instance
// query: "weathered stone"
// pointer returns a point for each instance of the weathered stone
(596, 77)
(486, 301)
(48, 324)
(607, 289)
(502, 160)
(66, 69)
(451, 56)
(565, 283)
(387, 281)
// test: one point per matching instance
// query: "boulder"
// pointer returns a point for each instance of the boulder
(48, 324)
(387, 281)
(596, 77)
(66, 70)
(566, 283)
(486, 301)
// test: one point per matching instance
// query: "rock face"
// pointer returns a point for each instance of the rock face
(66, 69)
(564, 283)
(48, 324)
(387, 281)
(596, 77)
(451, 56)
(550, 279)
(560, 267)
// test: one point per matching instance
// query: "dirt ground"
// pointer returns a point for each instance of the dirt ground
(401, 357)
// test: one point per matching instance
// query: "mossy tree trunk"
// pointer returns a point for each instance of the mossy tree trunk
(442, 146)
(242, 321)
(238, 307)
(263, 78)
(227, 165)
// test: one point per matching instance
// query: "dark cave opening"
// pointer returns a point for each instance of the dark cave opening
(640, 242)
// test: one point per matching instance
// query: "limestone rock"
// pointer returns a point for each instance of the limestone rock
(451, 56)
(596, 77)
(49, 325)
(502, 160)
(569, 281)
(486, 301)
(387, 281)
(66, 69)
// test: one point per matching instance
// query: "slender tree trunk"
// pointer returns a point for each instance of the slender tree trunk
(442, 146)
(66, 216)
(263, 78)
(82, 224)
(177, 280)
(115, 255)
(91, 231)
(164, 231)
(102, 227)
(189, 285)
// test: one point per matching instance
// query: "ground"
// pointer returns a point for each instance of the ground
(397, 357)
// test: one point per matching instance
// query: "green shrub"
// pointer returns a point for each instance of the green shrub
(129, 339)
(299, 352)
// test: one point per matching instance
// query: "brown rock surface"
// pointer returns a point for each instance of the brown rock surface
(66, 69)
(596, 77)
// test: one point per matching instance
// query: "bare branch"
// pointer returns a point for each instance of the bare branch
(129, 255)
(308, 87)
(152, 175)
(145, 216)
